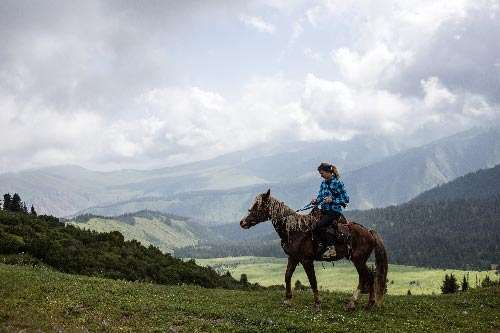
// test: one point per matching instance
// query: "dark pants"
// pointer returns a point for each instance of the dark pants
(329, 218)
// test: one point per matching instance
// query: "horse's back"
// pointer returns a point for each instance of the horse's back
(362, 240)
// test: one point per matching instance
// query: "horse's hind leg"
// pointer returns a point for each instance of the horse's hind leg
(365, 276)
(292, 264)
(311, 275)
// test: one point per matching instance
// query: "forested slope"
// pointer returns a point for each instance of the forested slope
(461, 234)
(72, 250)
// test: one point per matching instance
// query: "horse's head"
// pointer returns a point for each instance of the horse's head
(258, 212)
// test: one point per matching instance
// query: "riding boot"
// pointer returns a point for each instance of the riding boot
(330, 252)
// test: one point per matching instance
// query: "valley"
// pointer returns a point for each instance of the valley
(343, 276)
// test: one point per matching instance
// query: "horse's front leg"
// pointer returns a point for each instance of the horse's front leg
(311, 275)
(292, 264)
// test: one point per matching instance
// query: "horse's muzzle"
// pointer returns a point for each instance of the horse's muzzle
(244, 224)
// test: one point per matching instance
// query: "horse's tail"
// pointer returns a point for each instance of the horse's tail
(380, 282)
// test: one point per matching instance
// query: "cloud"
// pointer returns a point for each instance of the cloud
(436, 95)
(258, 23)
(39, 136)
(376, 66)
(126, 84)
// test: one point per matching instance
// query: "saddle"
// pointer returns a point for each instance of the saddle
(341, 232)
(340, 229)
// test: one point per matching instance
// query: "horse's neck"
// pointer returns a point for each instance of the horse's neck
(284, 219)
(278, 209)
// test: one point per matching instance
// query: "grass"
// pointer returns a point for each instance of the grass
(343, 276)
(37, 299)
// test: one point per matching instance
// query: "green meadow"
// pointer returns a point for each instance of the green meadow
(342, 276)
(38, 299)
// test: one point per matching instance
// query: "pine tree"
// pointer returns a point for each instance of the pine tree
(7, 200)
(33, 212)
(299, 285)
(450, 285)
(465, 284)
(16, 205)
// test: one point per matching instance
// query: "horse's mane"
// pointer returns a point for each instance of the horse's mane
(287, 217)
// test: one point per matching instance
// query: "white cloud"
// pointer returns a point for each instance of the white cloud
(376, 66)
(258, 23)
(342, 112)
(436, 95)
(132, 84)
(40, 136)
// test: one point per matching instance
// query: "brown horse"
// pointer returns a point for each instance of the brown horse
(301, 245)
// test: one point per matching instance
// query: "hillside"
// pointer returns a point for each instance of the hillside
(162, 230)
(460, 234)
(398, 179)
(47, 241)
(479, 184)
(36, 299)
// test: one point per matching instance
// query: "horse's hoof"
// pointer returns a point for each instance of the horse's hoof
(369, 305)
(351, 309)
(287, 304)
(316, 308)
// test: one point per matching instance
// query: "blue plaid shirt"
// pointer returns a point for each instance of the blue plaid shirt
(339, 195)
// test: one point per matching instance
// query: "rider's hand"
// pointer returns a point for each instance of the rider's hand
(328, 200)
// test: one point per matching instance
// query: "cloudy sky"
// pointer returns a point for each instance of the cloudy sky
(145, 84)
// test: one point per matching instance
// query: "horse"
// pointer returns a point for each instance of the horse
(300, 243)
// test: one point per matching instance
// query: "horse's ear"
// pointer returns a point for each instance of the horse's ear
(267, 194)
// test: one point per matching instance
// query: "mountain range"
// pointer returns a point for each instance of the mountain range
(378, 172)
(454, 225)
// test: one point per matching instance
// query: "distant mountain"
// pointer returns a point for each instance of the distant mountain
(164, 231)
(479, 184)
(391, 180)
(71, 190)
(403, 176)
(377, 172)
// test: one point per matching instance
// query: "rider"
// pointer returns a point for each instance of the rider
(332, 197)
